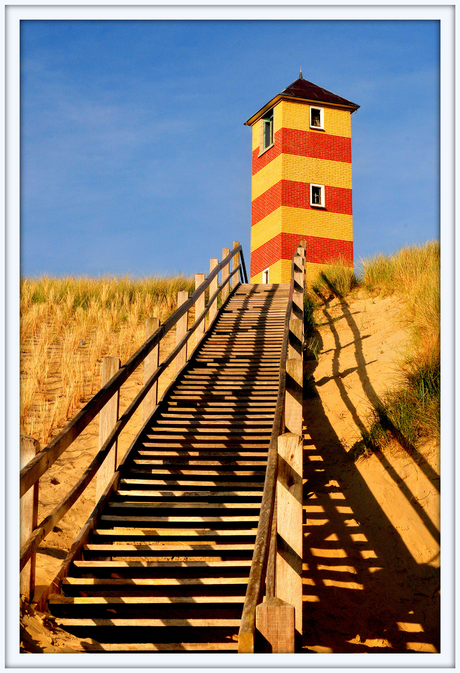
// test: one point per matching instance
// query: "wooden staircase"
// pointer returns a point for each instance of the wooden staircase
(167, 564)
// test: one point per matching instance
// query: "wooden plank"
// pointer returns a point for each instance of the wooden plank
(113, 565)
(293, 417)
(137, 622)
(236, 261)
(160, 547)
(199, 308)
(141, 600)
(295, 349)
(225, 275)
(181, 331)
(113, 518)
(150, 366)
(289, 524)
(160, 647)
(107, 420)
(161, 482)
(28, 517)
(275, 624)
(213, 289)
(170, 532)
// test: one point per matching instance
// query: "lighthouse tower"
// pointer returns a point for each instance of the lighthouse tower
(301, 181)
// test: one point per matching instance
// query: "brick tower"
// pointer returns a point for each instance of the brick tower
(301, 181)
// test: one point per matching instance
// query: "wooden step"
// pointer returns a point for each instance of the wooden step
(182, 505)
(125, 533)
(163, 483)
(191, 469)
(229, 647)
(199, 495)
(90, 583)
(58, 599)
(150, 548)
(230, 518)
(66, 622)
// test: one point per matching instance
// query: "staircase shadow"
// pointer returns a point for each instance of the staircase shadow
(363, 589)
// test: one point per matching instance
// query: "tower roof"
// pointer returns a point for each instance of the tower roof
(302, 89)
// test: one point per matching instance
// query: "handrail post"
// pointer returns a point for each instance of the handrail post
(289, 491)
(236, 261)
(213, 288)
(150, 366)
(108, 416)
(225, 275)
(28, 518)
(181, 331)
(289, 554)
(199, 308)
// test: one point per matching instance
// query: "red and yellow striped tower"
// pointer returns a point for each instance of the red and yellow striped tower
(301, 181)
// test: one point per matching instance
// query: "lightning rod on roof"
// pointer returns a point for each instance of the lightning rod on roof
(300, 76)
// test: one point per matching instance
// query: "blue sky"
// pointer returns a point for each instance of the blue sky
(134, 154)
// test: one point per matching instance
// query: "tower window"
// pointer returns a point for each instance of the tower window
(317, 195)
(316, 118)
(265, 275)
(267, 131)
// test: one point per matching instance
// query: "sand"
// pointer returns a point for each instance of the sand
(371, 528)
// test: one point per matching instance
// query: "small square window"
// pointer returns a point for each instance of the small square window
(317, 196)
(316, 118)
(267, 137)
(265, 275)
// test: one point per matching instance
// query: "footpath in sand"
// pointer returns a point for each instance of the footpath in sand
(371, 524)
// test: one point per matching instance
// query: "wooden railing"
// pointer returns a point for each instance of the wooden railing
(35, 467)
(283, 475)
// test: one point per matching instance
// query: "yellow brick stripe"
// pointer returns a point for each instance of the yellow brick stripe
(301, 169)
(280, 272)
(294, 115)
(302, 221)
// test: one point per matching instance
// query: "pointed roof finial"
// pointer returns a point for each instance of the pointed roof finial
(300, 76)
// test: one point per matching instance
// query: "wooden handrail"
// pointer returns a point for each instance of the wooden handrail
(54, 449)
(265, 530)
(45, 458)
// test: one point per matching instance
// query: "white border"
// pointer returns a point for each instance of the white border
(321, 117)
(208, 9)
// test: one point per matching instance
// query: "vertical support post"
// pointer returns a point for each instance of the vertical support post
(199, 308)
(181, 331)
(107, 418)
(213, 288)
(293, 409)
(299, 282)
(150, 366)
(29, 517)
(225, 275)
(275, 623)
(290, 535)
(236, 261)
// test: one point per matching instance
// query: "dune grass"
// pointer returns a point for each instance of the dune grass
(337, 278)
(411, 412)
(68, 324)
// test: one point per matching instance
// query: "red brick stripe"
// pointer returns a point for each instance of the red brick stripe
(282, 246)
(297, 195)
(313, 144)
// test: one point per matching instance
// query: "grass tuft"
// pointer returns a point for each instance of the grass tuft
(337, 278)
